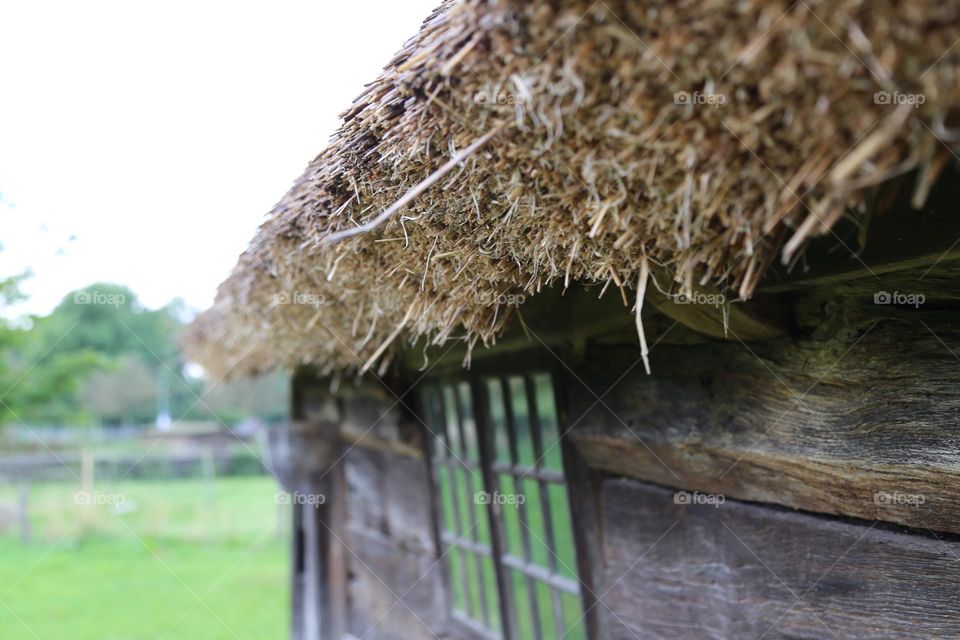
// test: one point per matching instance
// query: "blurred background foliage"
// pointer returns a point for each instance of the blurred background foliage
(101, 359)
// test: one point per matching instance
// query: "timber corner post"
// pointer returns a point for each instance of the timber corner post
(304, 456)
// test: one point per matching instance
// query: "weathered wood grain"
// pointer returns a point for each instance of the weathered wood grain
(374, 417)
(388, 494)
(366, 504)
(393, 593)
(706, 310)
(303, 456)
(389, 547)
(858, 415)
(748, 571)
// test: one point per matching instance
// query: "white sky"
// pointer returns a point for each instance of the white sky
(142, 142)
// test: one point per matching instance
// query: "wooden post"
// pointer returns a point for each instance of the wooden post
(313, 570)
(209, 476)
(305, 456)
(283, 518)
(297, 575)
(88, 466)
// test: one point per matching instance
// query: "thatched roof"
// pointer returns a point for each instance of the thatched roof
(705, 137)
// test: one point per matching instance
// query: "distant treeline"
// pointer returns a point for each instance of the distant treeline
(101, 358)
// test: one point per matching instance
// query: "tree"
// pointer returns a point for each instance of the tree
(101, 358)
(99, 329)
(125, 393)
(10, 338)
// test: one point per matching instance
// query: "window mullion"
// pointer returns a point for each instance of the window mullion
(455, 499)
(521, 506)
(537, 437)
(470, 503)
(481, 412)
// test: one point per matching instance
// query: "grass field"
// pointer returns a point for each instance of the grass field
(177, 560)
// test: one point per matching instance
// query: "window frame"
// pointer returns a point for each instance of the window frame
(575, 477)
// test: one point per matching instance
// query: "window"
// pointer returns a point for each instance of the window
(504, 515)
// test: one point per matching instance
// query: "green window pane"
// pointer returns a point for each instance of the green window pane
(464, 501)
(545, 604)
(521, 419)
(473, 592)
(562, 530)
(468, 425)
(539, 551)
(446, 499)
(521, 600)
(573, 621)
(547, 414)
(511, 519)
(456, 580)
(490, 588)
(453, 424)
(478, 504)
(498, 418)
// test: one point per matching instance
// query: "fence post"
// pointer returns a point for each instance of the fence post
(209, 475)
(87, 471)
(23, 513)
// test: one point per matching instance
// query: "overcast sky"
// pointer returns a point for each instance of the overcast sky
(142, 142)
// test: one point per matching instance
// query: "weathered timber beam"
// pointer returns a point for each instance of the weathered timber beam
(710, 311)
(857, 423)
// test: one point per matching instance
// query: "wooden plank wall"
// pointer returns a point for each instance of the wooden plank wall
(855, 415)
(395, 587)
(852, 419)
(742, 570)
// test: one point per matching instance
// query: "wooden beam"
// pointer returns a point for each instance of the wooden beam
(850, 421)
(893, 237)
(709, 310)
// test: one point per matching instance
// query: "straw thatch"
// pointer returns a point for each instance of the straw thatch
(702, 136)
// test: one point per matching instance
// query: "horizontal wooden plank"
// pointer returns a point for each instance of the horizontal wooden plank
(407, 495)
(394, 593)
(712, 311)
(858, 418)
(740, 570)
(562, 319)
(388, 494)
(373, 416)
(365, 502)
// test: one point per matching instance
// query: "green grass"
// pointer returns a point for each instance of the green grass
(179, 561)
